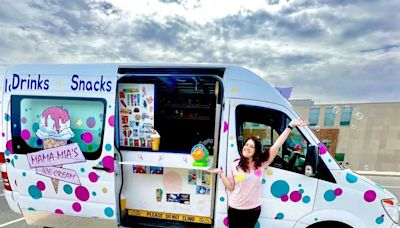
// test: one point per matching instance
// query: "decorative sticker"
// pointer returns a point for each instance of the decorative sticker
(192, 177)
(156, 170)
(184, 199)
(171, 197)
(139, 169)
(203, 190)
(205, 178)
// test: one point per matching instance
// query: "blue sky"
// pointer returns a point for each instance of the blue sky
(330, 51)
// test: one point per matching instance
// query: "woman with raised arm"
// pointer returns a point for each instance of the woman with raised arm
(244, 178)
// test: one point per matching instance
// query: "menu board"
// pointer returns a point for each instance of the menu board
(136, 114)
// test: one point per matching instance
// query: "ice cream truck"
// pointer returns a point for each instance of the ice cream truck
(130, 145)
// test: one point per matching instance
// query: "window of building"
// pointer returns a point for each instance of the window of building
(329, 117)
(46, 122)
(345, 117)
(313, 116)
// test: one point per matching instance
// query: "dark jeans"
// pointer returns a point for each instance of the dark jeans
(243, 218)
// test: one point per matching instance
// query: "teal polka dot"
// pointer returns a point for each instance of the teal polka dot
(109, 212)
(82, 170)
(31, 209)
(299, 185)
(222, 199)
(108, 147)
(7, 117)
(12, 163)
(100, 163)
(263, 181)
(35, 127)
(67, 189)
(351, 178)
(306, 199)
(379, 220)
(257, 225)
(34, 192)
(18, 147)
(16, 157)
(279, 216)
(301, 191)
(279, 188)
(94, 193)
(329, 196)
(329, 160)
(7, 152)
(232, 145)
(15, 125)
(23, 174)
(315, 219)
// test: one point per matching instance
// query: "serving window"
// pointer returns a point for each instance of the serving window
(181, 110)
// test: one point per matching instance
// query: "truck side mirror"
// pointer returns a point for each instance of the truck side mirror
(311, 163)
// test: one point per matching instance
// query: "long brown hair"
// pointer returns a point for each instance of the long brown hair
(258, 156)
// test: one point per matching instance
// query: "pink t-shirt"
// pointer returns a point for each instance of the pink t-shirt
(247, 191)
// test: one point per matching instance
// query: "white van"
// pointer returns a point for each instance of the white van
(79, 145)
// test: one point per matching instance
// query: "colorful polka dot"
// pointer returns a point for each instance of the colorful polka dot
(94, 194)
(295, 196)
(226, 222)
(76, 207)
(108, 162)
(108, 147)
(301, 191)
(258, 225)
(222, 199)
(338, 192)
(6, 117)
(23, 120)
(306, 199)
(23, 174)
(109, 212)
(82, 170)
(40, 185)
(329, 196)
(31, 209)
(59, 211)
(82, 193)
(16, 157)
(111, 121)
(279, 216)
(104, 190)
(351, 178)
(322, 148)
(9, 146)
(369, 196)
(279, 188)
(240, 177)
(379, 220)
(87, 137)
(67, 189)
(7, 152)
(90, 122)
(93, 177)
(25, 134)
(263, 181)
(34, 192)
(284, 198)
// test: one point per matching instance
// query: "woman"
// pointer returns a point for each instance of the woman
(245, 177)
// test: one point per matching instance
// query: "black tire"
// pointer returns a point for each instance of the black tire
(329, 224)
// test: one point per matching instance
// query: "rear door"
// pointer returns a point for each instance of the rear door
(59, 132)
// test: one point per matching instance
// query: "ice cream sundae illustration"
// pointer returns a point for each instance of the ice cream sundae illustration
(54, 130)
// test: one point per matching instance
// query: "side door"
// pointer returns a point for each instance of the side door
(287, 194)
(60, 146)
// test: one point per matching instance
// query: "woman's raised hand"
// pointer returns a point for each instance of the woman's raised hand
(216, 171)
(298, 122)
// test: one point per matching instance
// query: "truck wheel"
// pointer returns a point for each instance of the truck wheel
(325, 224)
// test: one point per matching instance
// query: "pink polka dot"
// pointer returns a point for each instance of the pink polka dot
(285, 198)
(111, 121)
(40, 185)
(369, 196)
(9, 146)
(108, 162)
(87, 137)
(3, 134)
(295, 196)
(59, 211)
(82, 193)
(93, 177)
(25, 134)
(258, 172)
(322, 148)
(90, 122)
(23, 120)
(226, 222)
(338, 192)
(77, 207)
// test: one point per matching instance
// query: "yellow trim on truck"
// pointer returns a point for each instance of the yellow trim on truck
(170, 216)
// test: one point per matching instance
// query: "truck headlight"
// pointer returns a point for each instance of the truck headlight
(391, 208)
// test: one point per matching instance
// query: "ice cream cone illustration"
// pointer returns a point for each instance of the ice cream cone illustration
(55, 131)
